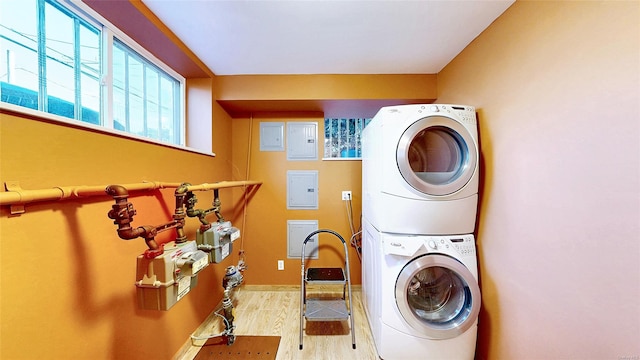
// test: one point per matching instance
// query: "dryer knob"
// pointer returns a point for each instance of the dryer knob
(432, 244)
(434, 108)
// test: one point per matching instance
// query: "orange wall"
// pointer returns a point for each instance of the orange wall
(556, 85)
(326, 87)
(558, 232)
(67, 280)
(267, 216)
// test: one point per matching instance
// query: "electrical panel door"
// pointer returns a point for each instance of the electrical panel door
(302, 189)
(297, 231)
(271, 136)
(302, 141)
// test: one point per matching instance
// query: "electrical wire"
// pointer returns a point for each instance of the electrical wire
(354, 240)
(245, 200)
(349, 215)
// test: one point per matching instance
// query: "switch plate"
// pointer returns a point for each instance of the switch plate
(346, 195)
(280, 264)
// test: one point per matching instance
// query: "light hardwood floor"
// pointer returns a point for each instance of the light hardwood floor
(275, 311)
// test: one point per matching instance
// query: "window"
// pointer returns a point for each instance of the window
(342, 138)
(144, 97)
(59, 60)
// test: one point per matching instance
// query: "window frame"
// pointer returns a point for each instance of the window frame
(109, 33)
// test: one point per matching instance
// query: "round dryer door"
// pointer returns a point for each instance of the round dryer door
(438, 296)
(437, 155)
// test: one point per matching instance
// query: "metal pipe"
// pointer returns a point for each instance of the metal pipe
(199, 213)
(217, 205)
(221, 185)
(16, 197)
(122, 213)
(179, 215)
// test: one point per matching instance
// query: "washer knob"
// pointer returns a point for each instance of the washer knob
(434, 108)
(432, 244)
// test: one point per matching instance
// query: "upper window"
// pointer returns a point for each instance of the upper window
(58, 60)
(342, 138)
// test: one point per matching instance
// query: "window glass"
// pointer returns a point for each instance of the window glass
(19, 58)
(119, 81)
(152, 87)
(59, 45)
(342, 138)
(90, 92)
(168, 93)
(134, 90)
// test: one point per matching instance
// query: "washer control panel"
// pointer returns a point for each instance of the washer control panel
(464, 244)
(409, 245)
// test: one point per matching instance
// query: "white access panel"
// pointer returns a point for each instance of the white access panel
(271, 136)
(302, 189)
(302, 141)
(297, 231)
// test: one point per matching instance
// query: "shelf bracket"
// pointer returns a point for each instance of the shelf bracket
(17, 208)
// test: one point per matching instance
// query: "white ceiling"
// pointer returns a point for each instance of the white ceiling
(237, 37)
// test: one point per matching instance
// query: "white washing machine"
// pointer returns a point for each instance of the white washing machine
(421, 294)
(420, 169)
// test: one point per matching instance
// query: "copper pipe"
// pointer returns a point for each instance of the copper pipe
(122, 213)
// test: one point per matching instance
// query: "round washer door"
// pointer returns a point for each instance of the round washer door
(438, 296)
(436, 155)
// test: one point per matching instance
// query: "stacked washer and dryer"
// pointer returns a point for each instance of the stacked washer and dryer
(420, 175)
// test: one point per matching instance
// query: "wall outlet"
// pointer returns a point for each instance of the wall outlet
(346, 195)
(280, 264)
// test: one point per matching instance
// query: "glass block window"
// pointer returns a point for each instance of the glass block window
(342, 138)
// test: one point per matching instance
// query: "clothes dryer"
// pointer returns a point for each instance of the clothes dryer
(420, 169)
(423, 299)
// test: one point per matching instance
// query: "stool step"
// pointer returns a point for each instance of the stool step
(325, 276)
(326, 310)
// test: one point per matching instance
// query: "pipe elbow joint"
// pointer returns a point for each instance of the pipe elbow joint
(117, 191)
(129, 233)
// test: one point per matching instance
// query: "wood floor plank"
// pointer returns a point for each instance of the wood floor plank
(264, 312)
